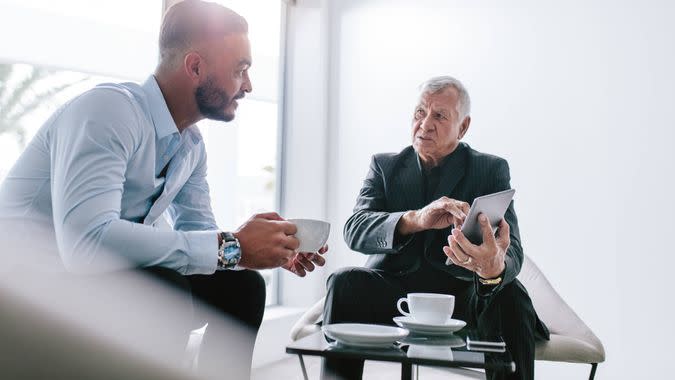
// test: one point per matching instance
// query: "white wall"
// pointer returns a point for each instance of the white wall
(576, 95)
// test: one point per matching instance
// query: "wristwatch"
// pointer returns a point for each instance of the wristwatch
(229, 252)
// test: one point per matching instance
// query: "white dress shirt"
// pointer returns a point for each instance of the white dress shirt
(88, 188)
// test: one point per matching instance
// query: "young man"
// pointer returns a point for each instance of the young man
(102, 170)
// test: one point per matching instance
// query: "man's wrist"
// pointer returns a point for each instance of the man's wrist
(406, 224)
(492, 278)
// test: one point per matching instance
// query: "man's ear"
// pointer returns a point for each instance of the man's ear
(193, 66)
(464, 126)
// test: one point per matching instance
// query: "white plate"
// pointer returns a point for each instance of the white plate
(364, 335)
(449, 327)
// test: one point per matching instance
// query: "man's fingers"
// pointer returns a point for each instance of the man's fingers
(488, 233)
(299, 270)
(284, 254)
(464, 207)
(463, 242)
(504, 235)
(282, 260)
(308, 265)
(314, 258)
(287, 227)
(452, 255)
(291, 242)
(460, 253)
(317, 259)
(448, 252)
(453, 209)
(269, 216)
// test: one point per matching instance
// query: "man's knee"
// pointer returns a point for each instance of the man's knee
(515, 304)
(254, 282)
(346, 281)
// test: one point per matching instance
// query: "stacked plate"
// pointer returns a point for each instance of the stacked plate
(364, 335)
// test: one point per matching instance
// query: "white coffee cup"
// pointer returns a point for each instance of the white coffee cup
(431, 308)
(312, 234)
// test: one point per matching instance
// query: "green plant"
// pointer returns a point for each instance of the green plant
(23, 93)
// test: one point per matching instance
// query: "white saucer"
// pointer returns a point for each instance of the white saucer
(449, 327)
(364, 335)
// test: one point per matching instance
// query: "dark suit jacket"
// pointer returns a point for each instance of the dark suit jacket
(394, 185)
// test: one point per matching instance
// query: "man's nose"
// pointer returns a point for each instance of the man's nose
(247, 86)
(426, 124)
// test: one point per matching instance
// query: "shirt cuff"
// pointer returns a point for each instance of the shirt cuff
(202, 252)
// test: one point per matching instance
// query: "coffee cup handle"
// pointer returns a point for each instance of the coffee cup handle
(398, 306)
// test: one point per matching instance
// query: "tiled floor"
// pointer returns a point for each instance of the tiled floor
(289, 369)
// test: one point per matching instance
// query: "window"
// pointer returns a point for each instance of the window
(61, 48)
(242, 154)
(29, 94)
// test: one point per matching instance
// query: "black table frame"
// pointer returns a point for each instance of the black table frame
(317, 345)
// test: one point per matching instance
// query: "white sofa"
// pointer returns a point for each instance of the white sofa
(571, 340)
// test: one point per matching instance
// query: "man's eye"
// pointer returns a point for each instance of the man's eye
(440, 116)
(419, 113)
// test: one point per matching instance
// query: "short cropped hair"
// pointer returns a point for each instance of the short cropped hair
(191, 21)
(440, 83)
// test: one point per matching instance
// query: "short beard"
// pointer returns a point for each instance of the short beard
(212, 101)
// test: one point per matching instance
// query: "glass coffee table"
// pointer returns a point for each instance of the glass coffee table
(411, 351)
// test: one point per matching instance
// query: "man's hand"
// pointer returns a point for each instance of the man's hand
(266, 241)
(437, 215)
(487, 259)
(304, 262)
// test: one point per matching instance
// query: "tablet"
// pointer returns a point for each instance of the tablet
(493, 206)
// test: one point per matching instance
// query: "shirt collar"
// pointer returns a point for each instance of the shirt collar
(159, 111)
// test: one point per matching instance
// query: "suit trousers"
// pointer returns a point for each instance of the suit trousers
(237, 296)
(362, 295)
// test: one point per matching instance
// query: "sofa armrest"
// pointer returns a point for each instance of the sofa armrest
(307, 324)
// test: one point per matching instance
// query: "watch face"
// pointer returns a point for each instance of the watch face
(229, 255)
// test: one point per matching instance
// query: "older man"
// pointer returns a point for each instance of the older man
(404, 221)
(99, 174)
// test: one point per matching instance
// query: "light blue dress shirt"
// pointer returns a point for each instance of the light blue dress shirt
(88, 186)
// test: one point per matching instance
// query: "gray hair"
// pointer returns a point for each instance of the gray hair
(440, 83)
